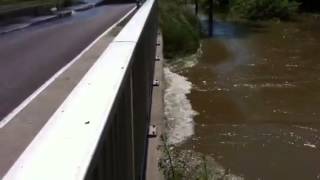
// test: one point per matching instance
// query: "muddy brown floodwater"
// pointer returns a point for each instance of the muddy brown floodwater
(256, 88)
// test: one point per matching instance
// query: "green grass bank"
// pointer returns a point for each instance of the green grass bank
(180, 28)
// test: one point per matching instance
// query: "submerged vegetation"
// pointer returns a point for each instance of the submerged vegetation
(179, 165)
(180, 28)
(256, 9)
(264, 9)
(189, 165)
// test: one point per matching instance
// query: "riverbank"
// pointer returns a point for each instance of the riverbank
(180, 27)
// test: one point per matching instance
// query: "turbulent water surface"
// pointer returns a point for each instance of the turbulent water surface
(252, 100)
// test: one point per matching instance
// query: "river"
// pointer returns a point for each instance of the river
(250, 99)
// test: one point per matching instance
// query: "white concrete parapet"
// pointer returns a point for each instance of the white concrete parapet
(65, 146)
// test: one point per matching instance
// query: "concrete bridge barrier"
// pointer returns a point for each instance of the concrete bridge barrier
(100, 131)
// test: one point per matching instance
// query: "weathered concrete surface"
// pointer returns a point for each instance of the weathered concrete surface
(157, 118)
(20, 131)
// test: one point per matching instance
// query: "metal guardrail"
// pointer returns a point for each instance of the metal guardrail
(100, 131)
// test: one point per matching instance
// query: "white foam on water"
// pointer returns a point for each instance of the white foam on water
(266, 85)
(178, 109)
(187, 61)
(310, 145)
(306, 128)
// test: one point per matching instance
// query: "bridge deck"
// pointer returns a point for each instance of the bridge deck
(16, 135)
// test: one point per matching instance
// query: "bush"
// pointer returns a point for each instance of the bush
(310, 5)
(264, 9)
(180, 29)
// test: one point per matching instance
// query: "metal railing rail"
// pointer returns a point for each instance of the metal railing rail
(100, 130)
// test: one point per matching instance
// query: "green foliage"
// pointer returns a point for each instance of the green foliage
(180, 29)
(19, 2)
(264, 9)
(204, 4)
(13, 1)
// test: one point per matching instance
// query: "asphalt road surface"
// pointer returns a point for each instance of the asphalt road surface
(28, 58)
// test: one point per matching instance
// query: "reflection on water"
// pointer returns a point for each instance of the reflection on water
(257, 90)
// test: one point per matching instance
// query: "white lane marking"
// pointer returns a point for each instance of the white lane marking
(18, 109)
